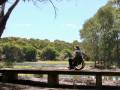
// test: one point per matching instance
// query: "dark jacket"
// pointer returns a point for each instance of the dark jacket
(77, 58)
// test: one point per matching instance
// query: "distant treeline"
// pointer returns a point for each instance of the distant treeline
(22, 49)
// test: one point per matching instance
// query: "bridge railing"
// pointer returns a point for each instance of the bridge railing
(11, 76)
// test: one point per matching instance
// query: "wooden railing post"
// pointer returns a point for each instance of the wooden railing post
(53, 79)
(9, 76)
(98, 80)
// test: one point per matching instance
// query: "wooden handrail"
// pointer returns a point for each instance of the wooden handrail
(62, 71)
(11, 75)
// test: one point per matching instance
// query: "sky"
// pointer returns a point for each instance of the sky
(39, 22)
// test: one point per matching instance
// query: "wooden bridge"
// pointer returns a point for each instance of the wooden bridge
(11, 76)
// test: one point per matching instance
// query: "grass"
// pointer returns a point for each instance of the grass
(53, 62)
(22, 67)
(29, 66)
(89, 62)
(62, 62)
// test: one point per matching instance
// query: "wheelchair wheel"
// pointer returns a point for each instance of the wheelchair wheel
(81, 66)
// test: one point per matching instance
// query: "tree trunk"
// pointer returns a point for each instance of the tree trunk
(2, 2)
(117, 49)
(5, 17)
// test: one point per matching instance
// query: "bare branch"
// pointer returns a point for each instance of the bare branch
(35, 3)
(54, 8)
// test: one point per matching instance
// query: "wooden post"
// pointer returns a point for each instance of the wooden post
(9, 77)
(53, 80)
(98, 80)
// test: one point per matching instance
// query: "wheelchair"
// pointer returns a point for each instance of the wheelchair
(80, 66)
(77, 64)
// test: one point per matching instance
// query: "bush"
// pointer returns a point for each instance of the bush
(8, 63)
(29, 53)
(49, 53)
(66, 53)
(12, 52)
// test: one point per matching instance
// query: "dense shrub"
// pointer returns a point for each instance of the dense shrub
(12, 52)
(49, 53)
(29, 53)
(66, 53)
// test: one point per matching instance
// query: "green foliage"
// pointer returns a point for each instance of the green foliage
(49, 53)
(8, 63)
(65, 54)
(12, 52)
(60, 45)
(115, 2)
(100, 36)
(104, 17)
(29, 53)
(21, 49)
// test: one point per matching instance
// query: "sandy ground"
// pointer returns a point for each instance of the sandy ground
(83, 81)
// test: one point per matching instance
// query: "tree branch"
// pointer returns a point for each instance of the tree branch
(6, 16)
(54, 8)
(2, 2)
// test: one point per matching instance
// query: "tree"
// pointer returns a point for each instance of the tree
(2, 2)
(89, 34)
(65, 54)
(49, 53)
(1, 51)
(115, 2)
(99, 37)
(23, 45)
(5, 16)
(105, 21)
(12, 52)
(30, 53)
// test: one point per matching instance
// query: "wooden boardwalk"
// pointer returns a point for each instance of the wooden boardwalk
(11, 76)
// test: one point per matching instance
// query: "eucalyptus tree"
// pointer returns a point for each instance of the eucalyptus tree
(90, 34)
(116, 5)
(97, 35)
(116, 31)
(115, 2)
(105, 23)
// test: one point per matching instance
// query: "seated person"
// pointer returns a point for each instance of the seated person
(76, 59)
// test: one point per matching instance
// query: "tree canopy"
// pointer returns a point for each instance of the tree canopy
(21, 49)
(100, 36)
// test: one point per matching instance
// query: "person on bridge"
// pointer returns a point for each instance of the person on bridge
(76, 59)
